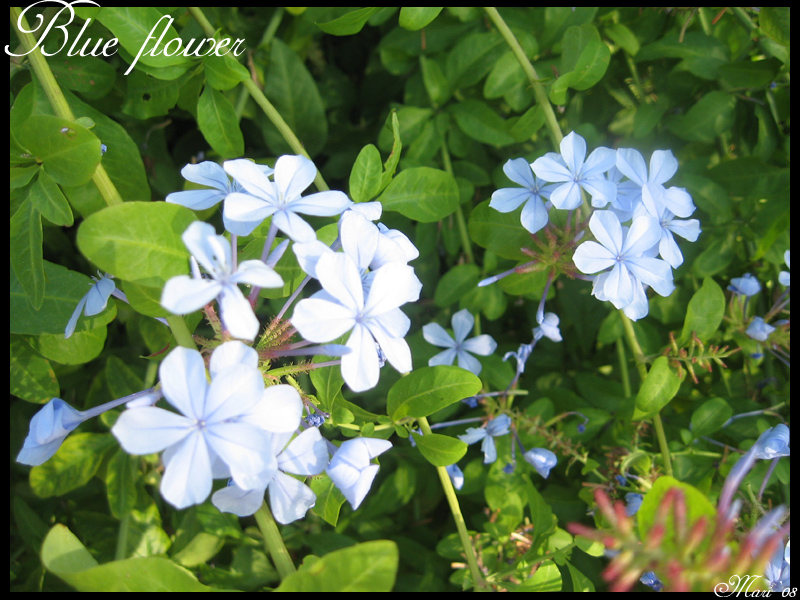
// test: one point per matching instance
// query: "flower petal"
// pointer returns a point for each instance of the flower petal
(289, 498)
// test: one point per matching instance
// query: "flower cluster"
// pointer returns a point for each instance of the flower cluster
(634, 221)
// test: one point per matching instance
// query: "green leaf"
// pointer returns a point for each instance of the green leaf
(710, 416)
(749, 74)
(366, 567)
(365, 178)
(715, 258)
(390, 166)
(121, 478)
(711, 116)
(64, 556)
(26, 252)
(415, 18)
(774, 21)
(481, 123)
(217, 120)
(657, 390)
(502, 233)
(704, 313)
(80, 348)
(294, 93)
(424, 391)
(65, 288)
(138, 241)
(223, 72)
(697, 505)
(68, 152)
(48, 199)
(329, 498)
(454, 284)
(32, 377)
(473, 57)
(701, 54)
(132, 26)
(349, 24)
(90, 76)
(73, 465)
(440, 450)
(422, 193)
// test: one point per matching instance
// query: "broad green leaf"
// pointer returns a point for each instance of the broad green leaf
(415, 18)
(26, 252)
(711, 116)
(32, 377)
(750, 74)
(48, 199)
(68, 151)
(365, 178)
(121, 477)
(80, 348)
(329, 498)
(547, 578)
(704, 313)
(481, 123)
(294, 93)
(710, 197)
(73, 465)
(223, 72)
(217, 120)
(623, 37)
(138, 241)
(580, 582)
(701, 54)
(506, 74)
(64, 556)
(473, 57)
(646, 118)
(440, 450)
(658, 389)
(710, 416)
(390, 166)
(365, 567)
(696, 502)
(139, 29)
(454, 284)
(349, 24)
(424, 391)
(90, 76)
(502, 233)
(435, 81)
(715, 258)
(590, 68)
(64, 290)
(421, 193)
(774, 21)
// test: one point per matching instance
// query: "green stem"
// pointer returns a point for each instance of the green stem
(538, 89)
(269, 110)
(273, 542)
(57, 100)
(623, 369)
(463, 534)
(639, 358)
(461, 223)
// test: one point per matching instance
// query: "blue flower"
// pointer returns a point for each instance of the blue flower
(777, 572)
(633, 502)
(575, 171)
(651, 580)
(759, 330)
(542, 459)
(494, 428)
(746, 285)
(533, 194)
(783, 276)
(351, 468)
(456, 475)
(93, 303)
(463, 322)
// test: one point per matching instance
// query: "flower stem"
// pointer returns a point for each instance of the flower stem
(463, 534)
(273, 542)
(638, 355)
(181, 332)
(56, 97)
(538, 89)
(269, 110)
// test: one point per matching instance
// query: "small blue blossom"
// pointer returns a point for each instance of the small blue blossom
(542, 459)
(783, 276)
(533, 194)
(93, 303)
(651, 580)
(456, 475)
(746, 285)
(777, 572)
(460, 347)
(496, 427)
(759, 330)
(633, 502)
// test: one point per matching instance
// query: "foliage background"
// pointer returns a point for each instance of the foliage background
(714, 91)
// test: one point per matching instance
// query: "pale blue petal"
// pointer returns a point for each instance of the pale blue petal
(395, 349)
(443, 358)
(435, 334)
(211, 250)
(483, 345)
(566, 196)
(289, 498)
(393, 284)
(644, 233)
(246, 450)
(551, 168)
(360, 238)
(293, 174)
(591, 257)
(146, 430)
(322, 321)
(473, 434)
(619, 286)
(463, 322)
(663, 165)
(253, 179)
(279, 411)
(519, 171)
(339, 276)
(236, 313)
(469, 363)
(183, 295)
(321, 204)
(654, 272)
(307, 454)
(489, 450)
(242, 503)
(604, 190)
(97, 298)
(187, 476)
(361, 368)
(183, 381)
(638, 308)
(679, 202)
(668, 250)
(631, 163)
(207, 173)
(232, 353)
(573, 151)
(197, 199)
(688, 229)
(308, 255)
(243, 212)
(255, 272)
(534, 215)
(508, 199)
(73, 320)
(607, 230)
(233, 391)
(598, 163)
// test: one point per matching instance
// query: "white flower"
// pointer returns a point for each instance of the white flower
(463, 322)
(548, 327)
(93, 303)
(183, 294)
(280, 200)
(351, 468)
(343, 306)
(210, 428)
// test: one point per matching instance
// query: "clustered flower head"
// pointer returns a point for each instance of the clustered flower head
(635, 219)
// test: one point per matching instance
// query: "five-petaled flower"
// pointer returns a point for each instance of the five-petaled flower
(533, 195)
(460, 347)
(183, 294)
(494, 428)
(351, 468)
